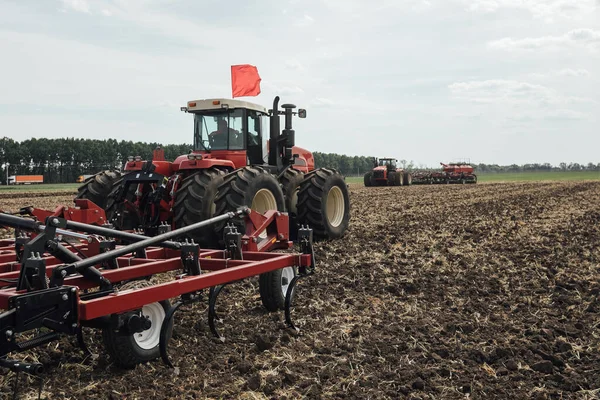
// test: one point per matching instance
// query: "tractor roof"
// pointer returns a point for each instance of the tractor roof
(216, 104)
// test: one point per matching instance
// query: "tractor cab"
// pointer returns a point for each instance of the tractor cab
(389, 163)
(235, 133)
(230, 129)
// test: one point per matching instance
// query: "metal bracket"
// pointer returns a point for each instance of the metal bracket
(190, 256)
(233, 242)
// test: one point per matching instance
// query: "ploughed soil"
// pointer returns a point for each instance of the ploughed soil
(436, 292)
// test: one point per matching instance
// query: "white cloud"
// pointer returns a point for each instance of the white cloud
(305, 21)
(537, 100)
(567, 72)
(547, 10)
(510, 91)
(76, 5)
(294, 64)
(586, 37)
(322, 101)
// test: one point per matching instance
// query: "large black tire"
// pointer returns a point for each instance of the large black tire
(324, 203)
(273, 288)
(116, 213)
(127, 350)
(368, 179)
(395, 178)
(252, 187)
(98, 187)
(195, 202)
(407, 178)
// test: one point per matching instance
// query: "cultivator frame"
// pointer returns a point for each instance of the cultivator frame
(458, 172)
(49, 282)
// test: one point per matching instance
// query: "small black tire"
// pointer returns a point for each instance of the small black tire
(368, 179)
(324, 203)
(124, 349)
(407, 178)
(250, 186)
(98, 187)
(195, 202)
(273, 287)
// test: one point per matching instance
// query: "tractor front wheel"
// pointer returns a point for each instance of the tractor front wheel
(324, 203)
(98, 187)
(195, 202)
(253, 187)
(368, 179)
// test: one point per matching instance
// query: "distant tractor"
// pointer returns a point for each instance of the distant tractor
(386, 173)
(241, 157)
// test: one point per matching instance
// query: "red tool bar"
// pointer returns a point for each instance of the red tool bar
(136, 298)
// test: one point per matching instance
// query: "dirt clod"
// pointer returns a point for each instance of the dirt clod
(543, 366)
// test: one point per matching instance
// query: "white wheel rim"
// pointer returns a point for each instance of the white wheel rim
(287, 274)
(335, 206)
(263, 200)
(150, 338)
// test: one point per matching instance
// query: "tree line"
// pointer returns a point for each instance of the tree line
(63, 160)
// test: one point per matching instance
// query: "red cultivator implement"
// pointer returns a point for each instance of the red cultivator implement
(460, 172)
(64, 274)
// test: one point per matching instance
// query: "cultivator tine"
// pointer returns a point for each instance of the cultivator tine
(81, 342)
(212, 312)
(165, 334)
(288, 303)
(305, 239)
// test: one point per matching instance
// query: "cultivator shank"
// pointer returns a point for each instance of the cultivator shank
(101, 279)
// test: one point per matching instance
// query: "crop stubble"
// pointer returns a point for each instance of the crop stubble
(436, 292)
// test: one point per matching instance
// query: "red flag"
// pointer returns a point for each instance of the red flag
(245, 80)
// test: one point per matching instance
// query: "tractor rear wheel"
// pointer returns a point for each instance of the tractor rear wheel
(273, 287)
(367, 179)
(407, 178)
(395, 178)
(129, 349)
(253, 187)
(98, 187)
(324, 203)
(195, 202)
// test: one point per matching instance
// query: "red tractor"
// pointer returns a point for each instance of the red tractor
(241, 157)
(386, 173)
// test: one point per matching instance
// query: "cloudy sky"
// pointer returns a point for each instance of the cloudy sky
(497, 81)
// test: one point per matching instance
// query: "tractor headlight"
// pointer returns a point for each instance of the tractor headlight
(194, 156)
(138, 158)
(129, 158)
